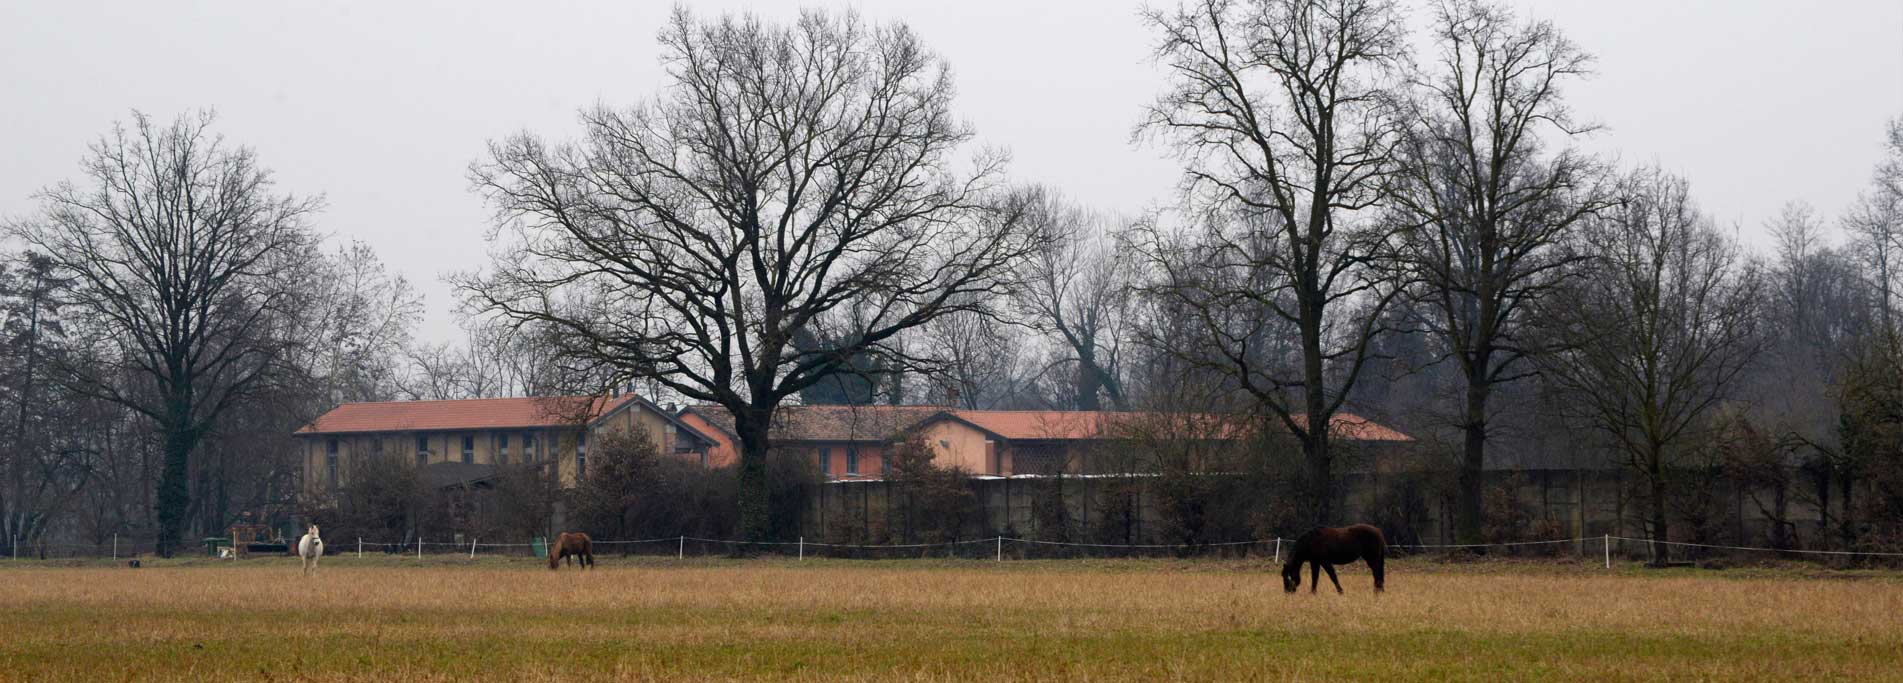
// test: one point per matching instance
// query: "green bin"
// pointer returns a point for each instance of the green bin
(540, 546)
(213, 544)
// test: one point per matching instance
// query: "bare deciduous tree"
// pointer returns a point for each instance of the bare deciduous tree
(1661, 329)
(1283, 114)
(983, 364)
(358, 317)
(183, 260)
(1487, 207)
(791, 179)
(1077, 294)
(1877, 222)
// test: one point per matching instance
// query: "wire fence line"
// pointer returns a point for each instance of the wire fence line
(974, 548)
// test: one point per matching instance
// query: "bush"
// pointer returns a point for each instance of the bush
(382, 502)
(933, 504)
(633, 491)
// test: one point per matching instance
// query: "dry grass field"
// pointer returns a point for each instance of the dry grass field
(963, 620)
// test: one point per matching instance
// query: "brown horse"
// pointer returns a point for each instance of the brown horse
(572, 545)
(1325, 547)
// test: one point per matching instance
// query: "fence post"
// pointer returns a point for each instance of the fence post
(802, 548)
(1608, 540)
(680, 552)
(115, 547)
(359, 547)
(419, 546)
(1278, 549)
(472, 547)
(1000, 548)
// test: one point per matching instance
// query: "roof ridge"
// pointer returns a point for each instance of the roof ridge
(464, 400)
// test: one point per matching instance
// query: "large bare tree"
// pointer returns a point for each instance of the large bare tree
(1488, 206)
(795, 180)
(183, 260)
(1876, 221)
(1661, 329)
(1077, 294)
(1283, 114)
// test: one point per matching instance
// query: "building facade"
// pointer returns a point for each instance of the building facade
(462, 442)
(852, 442)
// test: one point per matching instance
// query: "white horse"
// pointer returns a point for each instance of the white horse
(309, 548)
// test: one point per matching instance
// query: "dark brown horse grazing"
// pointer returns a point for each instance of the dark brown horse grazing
(573, 545)
(1325, 547)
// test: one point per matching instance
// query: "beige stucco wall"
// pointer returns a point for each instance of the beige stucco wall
(959, 445)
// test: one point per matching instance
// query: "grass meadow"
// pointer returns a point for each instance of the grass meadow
(770, 619)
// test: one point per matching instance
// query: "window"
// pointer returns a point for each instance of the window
(502, 449)
(581, 455)
(528, 447)
(826, 461)
(422, 451)
(469, 449)
(330, 460)
(852, 460)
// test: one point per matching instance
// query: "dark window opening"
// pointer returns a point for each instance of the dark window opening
(581, 456)
(330, 460)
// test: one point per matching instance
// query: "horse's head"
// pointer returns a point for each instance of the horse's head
(1291, 577)
(313, 533)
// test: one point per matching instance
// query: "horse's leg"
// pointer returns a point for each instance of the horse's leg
(1315, 575)
(1375, 563)
(1331, 576)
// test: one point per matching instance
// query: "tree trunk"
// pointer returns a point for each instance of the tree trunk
(1473, 481)
(1845, 520)
(755, 517)
(1823, 502)
(1780, 538)
(1322, 476)
(175, 497)
(1315, 447)
(1660, 552)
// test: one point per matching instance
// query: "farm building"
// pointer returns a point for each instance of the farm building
(461, 442)
(850, 442)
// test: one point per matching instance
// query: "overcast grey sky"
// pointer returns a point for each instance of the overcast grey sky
(381, 106)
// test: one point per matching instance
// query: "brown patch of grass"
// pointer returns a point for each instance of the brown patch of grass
(378, 619)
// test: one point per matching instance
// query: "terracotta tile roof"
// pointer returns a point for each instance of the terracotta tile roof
(479, 413)
(828, 423)
(1357, 428)
(879, 423)
(1052, 425)
(1039, 424)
